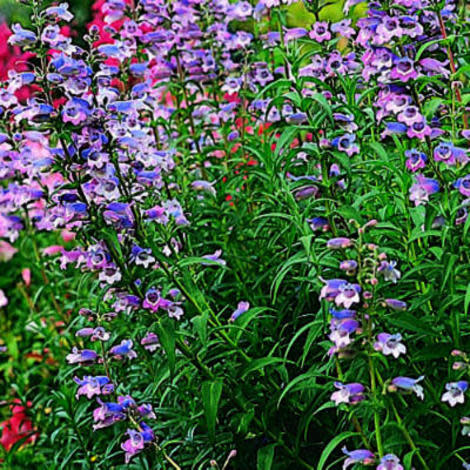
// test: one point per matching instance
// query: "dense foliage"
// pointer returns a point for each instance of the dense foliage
(234, 243)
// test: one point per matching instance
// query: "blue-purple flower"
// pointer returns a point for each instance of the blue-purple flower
(91, 386)
(463, 185)
(408, 384)
(455, 392)
(424, 187)
(362, 456)
(389, 344)
(352, 393)
(241, 308)
(390, 462)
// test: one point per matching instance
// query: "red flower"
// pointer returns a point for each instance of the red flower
(18, 427)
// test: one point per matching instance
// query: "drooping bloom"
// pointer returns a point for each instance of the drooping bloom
(408, 384)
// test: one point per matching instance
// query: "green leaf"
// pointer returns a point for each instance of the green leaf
(265, 457)
(467, 300)
(211, 393)
(335, 442)
(258, 364)
(166, 335)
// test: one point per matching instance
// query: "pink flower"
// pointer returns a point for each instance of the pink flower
(7, 251)
(26, 275)
(3, 299)
(53, 250)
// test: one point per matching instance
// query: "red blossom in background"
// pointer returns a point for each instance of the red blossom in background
(18, 427)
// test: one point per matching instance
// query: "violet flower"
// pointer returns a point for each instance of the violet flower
(455, 392)
(241, 308)
(362, 456)
(389, 344)
(352, 393)
(390, 462)
(408, 384)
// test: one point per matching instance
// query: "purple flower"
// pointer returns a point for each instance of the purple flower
(434, 67)
(76, 111)
(60, 12)
(343, 28)
(200, 185)
(463, 185)
(137, 440)
(448, 153)
(133, 445)
(348, 393)
(331, 288)
(349, 266)
(153, 300)
(389, 272)
(395, 304)
(20, 36)
(215, 258)
(340, 242)
(81, 356)
(341, 314)
(306, 192)
(319, 223)
(346, 143)
(462, 215)
(455, 392)
(389, 28)
(362, 456)
(320, 31)
(91, 386)
(241, 308)
(296, 118)
(389, 344)
(390, 462)
(408, 384)
(150, 342)
(107, 414)
(142, 256)
(348, 294)
(422, 189)
(416, 160)
(123, 350)
(403, 70)
(340, 333)
(410, 115)
(419, 129)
